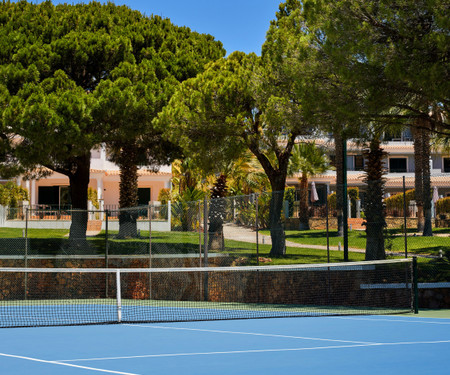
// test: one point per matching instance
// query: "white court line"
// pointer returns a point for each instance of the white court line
(391, 320)
(253, 351)
(65, 364)
(248, 333)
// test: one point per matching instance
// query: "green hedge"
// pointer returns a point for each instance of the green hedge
(443, 206)
(396, 201)
(353, 194)
(11, 194)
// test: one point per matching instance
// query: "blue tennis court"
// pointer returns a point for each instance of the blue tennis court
(320, 345)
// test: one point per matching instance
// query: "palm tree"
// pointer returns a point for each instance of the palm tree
(246, 176)
(374, 205)
(422, 150)
(310, 160)
(184, 174)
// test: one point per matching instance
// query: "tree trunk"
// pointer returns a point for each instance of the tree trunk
(303, 209)
(276, 226)
(374, 206)
(217, 213)
(422, 171)
(418, 173)
(277, 178)
(79, 182)
(339, 164)
(426, 181)
(128, 195)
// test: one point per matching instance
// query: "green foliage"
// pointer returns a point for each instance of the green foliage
(11, 194)
(185, 209)
(246, 212)
(395, 202)
(289, 196)
(332, 202)
(207, 114)
(92, 196)
(164, 196)
(75, 76)
(393, 51)
(353, 193)
(308, 159)
(443, 206)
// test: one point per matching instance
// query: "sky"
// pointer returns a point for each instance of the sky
(241, 25)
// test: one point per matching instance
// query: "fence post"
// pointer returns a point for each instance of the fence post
(2, 215)
(150, 214)
(205, 247)
(106, 252)
(327, 228)
(118, 297)
(205, 232)
(345, 200)
(404, 218)
(415, 287)
(26, 252)
(169, 214)
(200, 232)
(257, 228)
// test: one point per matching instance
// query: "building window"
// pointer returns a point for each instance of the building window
(397, 165)
(359, 163)
(54, 196)
(447, 165)
(144, 196)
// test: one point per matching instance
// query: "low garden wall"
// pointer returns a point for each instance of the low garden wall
(319, 223)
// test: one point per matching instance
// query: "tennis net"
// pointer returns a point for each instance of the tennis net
(75, 296)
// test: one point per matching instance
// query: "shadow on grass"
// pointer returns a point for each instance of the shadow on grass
(433, 250)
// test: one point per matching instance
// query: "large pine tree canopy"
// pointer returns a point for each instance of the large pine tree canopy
(75, 76)
(52, 58)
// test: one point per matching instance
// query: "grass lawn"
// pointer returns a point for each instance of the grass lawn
(55, 241)
(33, 233)
(357, 239)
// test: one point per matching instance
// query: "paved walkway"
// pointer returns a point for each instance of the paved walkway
(243, 234)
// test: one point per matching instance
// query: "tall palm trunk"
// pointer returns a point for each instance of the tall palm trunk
(418, 173)
(426, 181)
(339, 164)
(374, 206)
(422, 171)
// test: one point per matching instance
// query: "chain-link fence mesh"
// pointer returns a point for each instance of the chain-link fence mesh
(232, 231)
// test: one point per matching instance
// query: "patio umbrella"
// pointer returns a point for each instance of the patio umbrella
(435, 199)
(435, 195)
(314, 195)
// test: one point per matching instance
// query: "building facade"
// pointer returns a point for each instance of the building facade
(104, 179)
(399, 164)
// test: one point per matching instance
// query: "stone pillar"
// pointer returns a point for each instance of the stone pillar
(358, 208)
(33, 193)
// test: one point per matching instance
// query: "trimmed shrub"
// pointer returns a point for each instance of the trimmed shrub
(353, 195)
(394, 204)
(443, 206)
